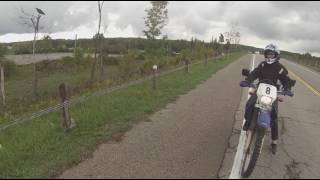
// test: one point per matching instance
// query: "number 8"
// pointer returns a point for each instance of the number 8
(268, 90)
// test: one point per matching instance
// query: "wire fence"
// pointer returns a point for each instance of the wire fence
(82, 99)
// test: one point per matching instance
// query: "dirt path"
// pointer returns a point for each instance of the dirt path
(187, 139)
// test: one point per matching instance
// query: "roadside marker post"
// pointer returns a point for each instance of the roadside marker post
(154, 78)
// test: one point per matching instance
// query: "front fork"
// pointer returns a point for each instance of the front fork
(262, 120)
(252, 130)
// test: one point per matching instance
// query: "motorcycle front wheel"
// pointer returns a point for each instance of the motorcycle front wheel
(252, 150)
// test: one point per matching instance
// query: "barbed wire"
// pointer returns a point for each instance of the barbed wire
(80, 99)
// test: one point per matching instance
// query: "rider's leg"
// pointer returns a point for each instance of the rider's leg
(274, 128)
(274, 123)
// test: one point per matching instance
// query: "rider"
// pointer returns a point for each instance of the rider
(270, 69)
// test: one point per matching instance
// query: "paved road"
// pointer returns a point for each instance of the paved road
(24, 59)
(311, 76)
(187, 139)
(299, 146)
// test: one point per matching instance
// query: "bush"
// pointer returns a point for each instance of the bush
(48, 66)
(22, 48)
(110, 60)
(60, 65)
(128, 66)
(69, 60)
(41, 66)
(146, 68)
(176, 61)
(3, 51)
(140, 56)
(10, 67)
(72, 63)
(79, 55)
(162, 63)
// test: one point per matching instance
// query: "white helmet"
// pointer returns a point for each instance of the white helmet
(271, 54)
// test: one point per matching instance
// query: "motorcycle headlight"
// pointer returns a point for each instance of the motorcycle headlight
(266, 100)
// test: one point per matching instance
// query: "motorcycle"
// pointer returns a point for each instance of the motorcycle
(267, 94)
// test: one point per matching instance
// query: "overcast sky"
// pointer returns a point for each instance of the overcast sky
(293, 26)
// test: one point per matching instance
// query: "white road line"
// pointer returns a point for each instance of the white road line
(238, 160)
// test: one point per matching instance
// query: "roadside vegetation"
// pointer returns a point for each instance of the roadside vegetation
(305, 59)
(41, 148)
(118, 68)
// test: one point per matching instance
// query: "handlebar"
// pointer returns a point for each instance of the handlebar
(284, 93)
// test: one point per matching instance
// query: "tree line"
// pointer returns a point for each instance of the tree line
(153, 46)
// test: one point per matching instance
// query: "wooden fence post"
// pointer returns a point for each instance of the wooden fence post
(206, 59)
(67, 122)
(187, 65)
(35, 80)
(2, 86)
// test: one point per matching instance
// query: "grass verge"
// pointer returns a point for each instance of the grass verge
(41, 149)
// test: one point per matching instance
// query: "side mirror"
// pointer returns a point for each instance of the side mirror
(245, 72)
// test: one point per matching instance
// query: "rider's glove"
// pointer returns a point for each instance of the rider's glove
(288, 93)
(245, 84)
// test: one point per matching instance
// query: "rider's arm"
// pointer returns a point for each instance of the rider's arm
(284, 78)
(254, 74)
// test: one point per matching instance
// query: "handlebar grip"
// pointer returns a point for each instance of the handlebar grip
(245, 84)
(286, 93)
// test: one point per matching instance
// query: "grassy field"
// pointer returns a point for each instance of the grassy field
(41, 149)
(19, 87)
(20, 101)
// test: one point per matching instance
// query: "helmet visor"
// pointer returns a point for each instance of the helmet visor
(270, 54)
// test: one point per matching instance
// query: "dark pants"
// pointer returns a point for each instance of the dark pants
(274, 115)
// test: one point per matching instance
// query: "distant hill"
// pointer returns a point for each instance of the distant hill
(112, 45)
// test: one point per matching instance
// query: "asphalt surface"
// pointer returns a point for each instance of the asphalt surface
(24, 59)
(299, 145)
(187, 139)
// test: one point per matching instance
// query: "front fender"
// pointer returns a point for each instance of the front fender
(264, 119)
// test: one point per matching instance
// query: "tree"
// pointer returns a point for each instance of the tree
(237, 38)
(233, 36)
(156, 19)
(211, 43)
(227, 46)
(78, 54)
(216, 46)
(97, 43)
(221, 38)
(34, 24)
(45, 44)
(46, 37)
(3, 51)
(22, 48)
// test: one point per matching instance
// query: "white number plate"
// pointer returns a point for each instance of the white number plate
(267, 90)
